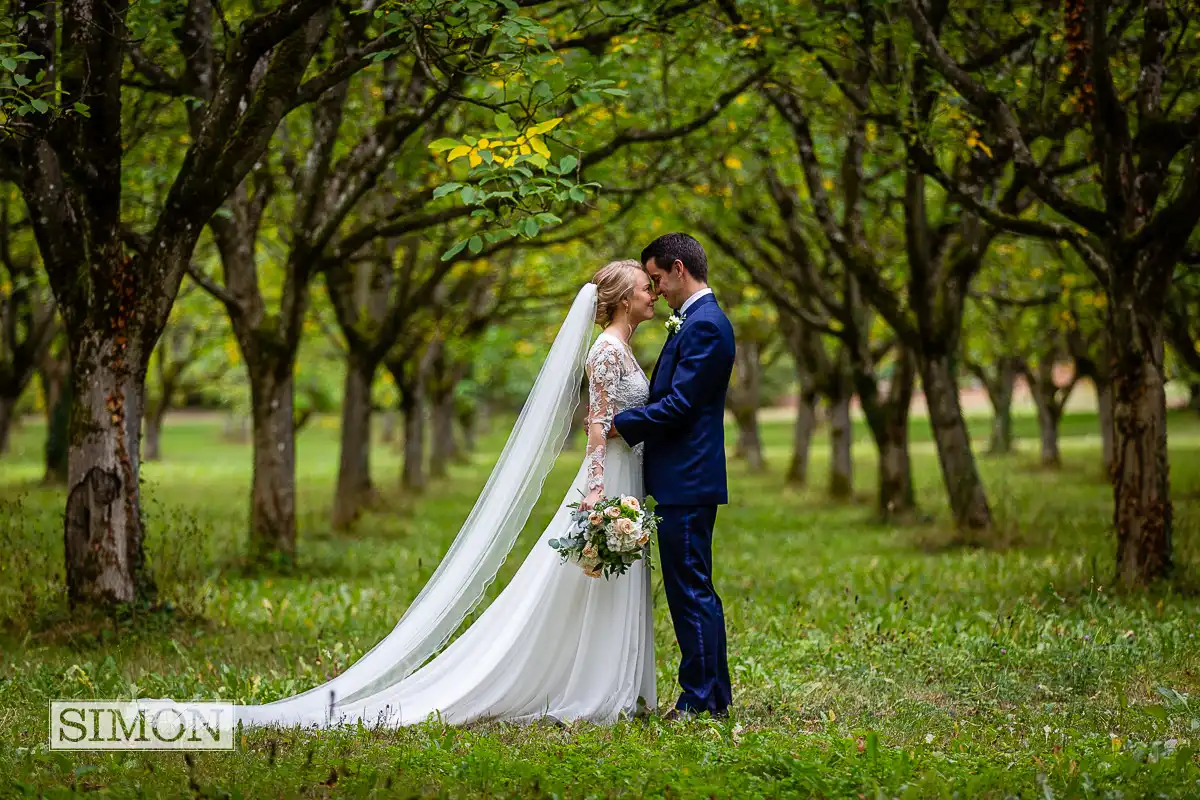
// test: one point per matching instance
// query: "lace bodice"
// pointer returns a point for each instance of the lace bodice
(615, 382)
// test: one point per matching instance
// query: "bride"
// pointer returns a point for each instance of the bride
(556, 642)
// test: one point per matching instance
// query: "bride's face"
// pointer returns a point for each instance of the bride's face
(641, 302)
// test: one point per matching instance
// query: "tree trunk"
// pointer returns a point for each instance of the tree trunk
(968, 500)
(802, 435)
(1194, 397)
(467, 417)
(841, 439)
(102, 528)
(1000, 394)
(887, 420)
(1104, 406)
(1142, 514)
(152, 446)
(444, 446)
(8, 407)
(389, 430)
(749, 444)
(273, 488)
(354, 489)
(744, 400)
(1049, 415)
(60, 401)
(413, 409)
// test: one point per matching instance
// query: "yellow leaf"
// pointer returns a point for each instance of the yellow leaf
(474, 159)
(545, 127)
(828, 184)
(458, 152)
(539, 147)
(484, 144)
(733, 162)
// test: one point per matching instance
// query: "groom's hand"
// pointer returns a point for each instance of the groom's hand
(613, 433)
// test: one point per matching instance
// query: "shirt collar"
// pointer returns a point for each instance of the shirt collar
(691, 301)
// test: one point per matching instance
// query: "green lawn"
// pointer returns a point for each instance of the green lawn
(868, 661)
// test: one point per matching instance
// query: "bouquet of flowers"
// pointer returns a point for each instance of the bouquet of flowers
(607, 538)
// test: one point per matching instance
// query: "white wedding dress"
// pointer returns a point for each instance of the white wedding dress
(554, 643)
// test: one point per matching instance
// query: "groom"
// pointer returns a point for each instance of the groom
(683, 426)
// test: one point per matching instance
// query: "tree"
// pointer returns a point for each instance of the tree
(1131, 224)
(755, 329)
(115, 285)
(188, 358)
(28, 323)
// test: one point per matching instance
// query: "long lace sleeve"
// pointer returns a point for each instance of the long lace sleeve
(604, 372)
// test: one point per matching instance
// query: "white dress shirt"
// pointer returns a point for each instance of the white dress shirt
(692, 300)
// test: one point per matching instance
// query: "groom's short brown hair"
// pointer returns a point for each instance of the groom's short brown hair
(669, 247)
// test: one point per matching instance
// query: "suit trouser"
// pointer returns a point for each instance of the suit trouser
(685, 544)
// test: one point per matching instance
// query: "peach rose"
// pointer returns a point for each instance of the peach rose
(625, 526)
(596, 518)
(590, 551)
(612, 512)
(631, 503)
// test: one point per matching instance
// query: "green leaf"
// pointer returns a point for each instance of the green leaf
(530, 227)
(505, 124)
(577, 195)
(9, 64)
(455, 250)
(41, 105)
(445, 189)
(567, 164)
(21, 80)
(475, 244)
(440, 145)
(468, 194)
(542, 91)
(616, 92)
(83, 110)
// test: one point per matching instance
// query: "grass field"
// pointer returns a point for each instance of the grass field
(868, 661)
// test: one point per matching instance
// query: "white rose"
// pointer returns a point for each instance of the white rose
(612, 538)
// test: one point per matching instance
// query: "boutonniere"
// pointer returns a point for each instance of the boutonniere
(674, 323)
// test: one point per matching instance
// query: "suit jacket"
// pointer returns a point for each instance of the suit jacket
(683, 422)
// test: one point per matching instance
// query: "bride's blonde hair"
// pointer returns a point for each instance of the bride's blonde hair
(615, 282)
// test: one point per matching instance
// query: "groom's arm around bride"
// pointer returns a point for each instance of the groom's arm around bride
(683, 428)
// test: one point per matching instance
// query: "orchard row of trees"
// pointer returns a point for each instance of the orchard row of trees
(904, 193)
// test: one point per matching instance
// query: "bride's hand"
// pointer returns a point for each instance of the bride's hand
(590, 501)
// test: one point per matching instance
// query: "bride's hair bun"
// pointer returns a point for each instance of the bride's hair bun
(615, 281)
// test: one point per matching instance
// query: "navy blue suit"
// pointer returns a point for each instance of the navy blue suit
(683, 428)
